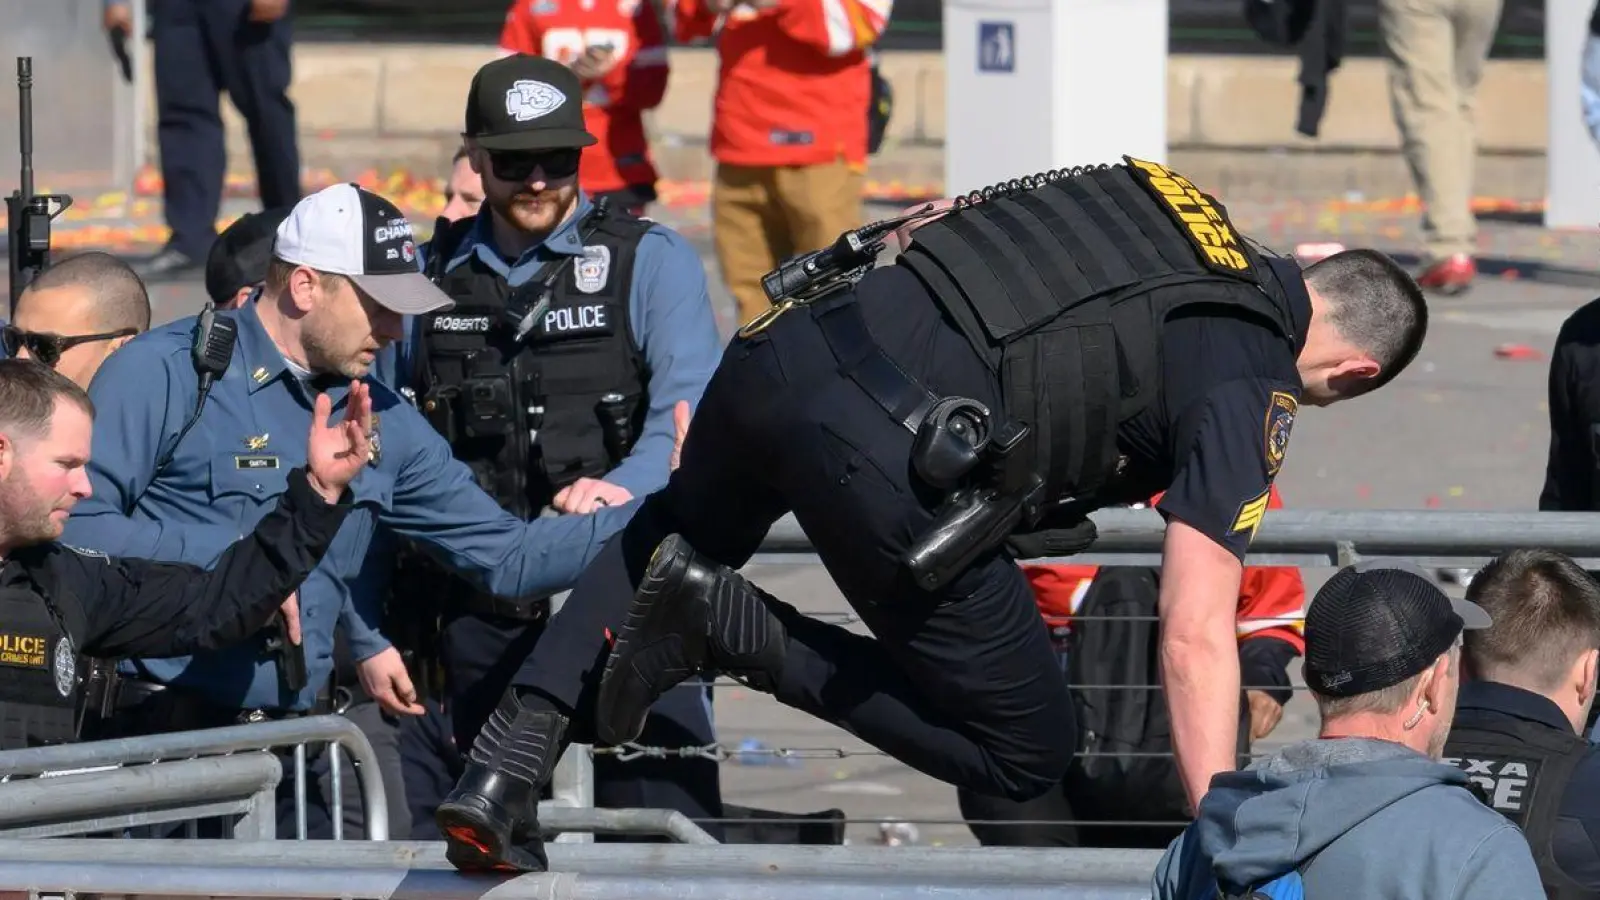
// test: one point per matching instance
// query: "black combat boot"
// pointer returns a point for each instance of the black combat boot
(689, 614)
(491, 820)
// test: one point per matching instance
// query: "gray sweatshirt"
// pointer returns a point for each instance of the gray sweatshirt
(1382, 821)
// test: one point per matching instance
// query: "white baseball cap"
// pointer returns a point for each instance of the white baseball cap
(346, 230)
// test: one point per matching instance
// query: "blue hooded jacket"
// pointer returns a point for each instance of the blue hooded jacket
(1365, 818)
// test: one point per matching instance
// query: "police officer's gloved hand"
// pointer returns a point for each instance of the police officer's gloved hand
(1061, 541)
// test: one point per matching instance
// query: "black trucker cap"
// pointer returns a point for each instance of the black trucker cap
(1377, 623)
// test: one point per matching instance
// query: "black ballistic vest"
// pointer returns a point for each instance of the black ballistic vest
(1050, 278)
(1521, 770)
(40, 673)
(567, 401)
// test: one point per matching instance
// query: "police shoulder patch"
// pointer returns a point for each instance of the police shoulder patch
(1281, 410)
(1248, 518)
(65, 667)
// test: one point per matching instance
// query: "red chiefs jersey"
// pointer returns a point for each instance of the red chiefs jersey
(1272, 599)
(612, 104)
(794, 83)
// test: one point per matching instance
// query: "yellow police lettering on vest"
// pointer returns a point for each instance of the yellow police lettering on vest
(575, 318)
(1207, 227)
(22, 650)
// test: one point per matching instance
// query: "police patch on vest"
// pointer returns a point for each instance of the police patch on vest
(1248, 519)
(590, 271)
(25, 651)
(66, 667)
(1505, 782)
(1197, 214)
(588, 320)
(1280, 419)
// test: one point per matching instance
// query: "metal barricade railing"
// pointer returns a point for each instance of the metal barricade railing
(1305, 539)
(127, 757)
(241, 787)
(317, 870)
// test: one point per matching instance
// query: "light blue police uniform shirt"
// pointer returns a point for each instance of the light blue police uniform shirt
(669, 314)
(229, 469)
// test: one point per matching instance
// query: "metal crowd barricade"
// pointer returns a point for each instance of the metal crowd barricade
(318, 869)
(1300, 538)
(184, 776)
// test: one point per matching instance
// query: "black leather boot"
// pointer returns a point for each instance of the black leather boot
(491, 820)
(689, 614)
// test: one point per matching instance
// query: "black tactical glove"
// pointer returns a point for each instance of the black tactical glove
(1061, 541)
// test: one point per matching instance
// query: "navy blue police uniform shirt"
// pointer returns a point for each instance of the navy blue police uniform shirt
(669, 313)
(1576, 839)
(1218, 432)
(229, 469)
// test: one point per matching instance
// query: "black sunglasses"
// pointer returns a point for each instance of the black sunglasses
(47, 348)
(517, 165)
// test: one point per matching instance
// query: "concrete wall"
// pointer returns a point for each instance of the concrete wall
(400, 106)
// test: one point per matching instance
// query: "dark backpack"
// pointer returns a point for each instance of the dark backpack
(1124, 771)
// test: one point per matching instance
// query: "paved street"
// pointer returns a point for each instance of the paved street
(1463, 429)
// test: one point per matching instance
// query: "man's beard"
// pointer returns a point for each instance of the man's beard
(322, 360)
(24, 515)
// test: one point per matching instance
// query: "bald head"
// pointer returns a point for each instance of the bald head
(113, 295)
(93, 295)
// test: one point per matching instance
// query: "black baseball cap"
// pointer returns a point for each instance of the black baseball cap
(239, 256)
(1377, 623)
(348, 230)
(524, 102)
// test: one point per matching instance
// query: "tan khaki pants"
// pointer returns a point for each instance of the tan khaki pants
(1436, 51)
(763, 215)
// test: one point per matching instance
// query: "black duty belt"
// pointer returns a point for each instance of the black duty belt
(522, 609)
(131, 692)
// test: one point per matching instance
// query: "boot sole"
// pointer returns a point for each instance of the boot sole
(648, 616)
(473, 844)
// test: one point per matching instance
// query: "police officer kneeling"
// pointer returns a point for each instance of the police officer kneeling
(60, 606)
(1087, 337)
(1530, 683)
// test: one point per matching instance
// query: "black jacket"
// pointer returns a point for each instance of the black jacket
(115, 607)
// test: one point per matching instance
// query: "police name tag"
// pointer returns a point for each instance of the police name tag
(456, 324)
(255, 462)
(1198, 215)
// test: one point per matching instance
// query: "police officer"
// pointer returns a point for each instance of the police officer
(1572, 469)
(1086, 337)
(175, 480)
(1519, 718)
(202, 49)
(60, 605)
(577, 330)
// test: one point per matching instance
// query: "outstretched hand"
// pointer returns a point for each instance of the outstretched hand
(336, 453)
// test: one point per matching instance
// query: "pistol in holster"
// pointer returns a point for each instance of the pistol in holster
(413, 620)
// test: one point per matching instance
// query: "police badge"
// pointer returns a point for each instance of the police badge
(592, 268)
(65, 665)
(375, 444)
